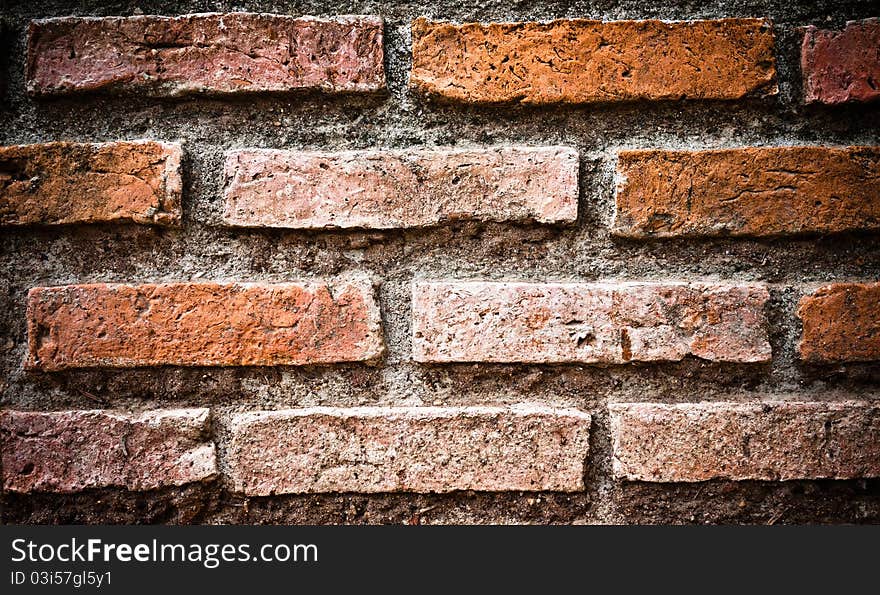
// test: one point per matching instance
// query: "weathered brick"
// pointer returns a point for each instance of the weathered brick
(408, 449)
(756, 191)
(841, 323)
(205, 53)
(394, 189)
(70, 451)
(585, 61)
(56, 183)
(740, 441)
(202, 324)
(588, 323)
(842, 66)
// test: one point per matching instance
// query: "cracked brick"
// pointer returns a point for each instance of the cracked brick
(610, 323)
(61, 182)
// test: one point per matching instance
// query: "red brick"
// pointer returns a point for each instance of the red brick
(774, 441)
(393, 189)
(202, 324)
(842, 66)
(70, 451)
(56, 183)
(205, 53)
(841, 323)
(756, 191)
(588, 323)
(408, 449)
(584, 61)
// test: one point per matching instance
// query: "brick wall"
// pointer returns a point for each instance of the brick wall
(441, 262)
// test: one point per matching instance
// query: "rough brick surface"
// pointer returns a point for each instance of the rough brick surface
(208, 53)
(841, 323)
(756, 191)
(69, 451)
(588, 323)
(390, 189)
(62, 182)
(842, 66)
(740, 441)
(584, 61)
(202, 324)
(408, 449)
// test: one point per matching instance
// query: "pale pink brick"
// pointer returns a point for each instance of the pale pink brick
(741, 441)
(408, 449)
(70, 451)
(383, 189)
(608, 323)
(205, 53)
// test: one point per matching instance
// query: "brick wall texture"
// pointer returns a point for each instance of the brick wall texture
(447, 262)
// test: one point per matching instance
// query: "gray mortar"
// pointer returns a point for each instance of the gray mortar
(586, 252)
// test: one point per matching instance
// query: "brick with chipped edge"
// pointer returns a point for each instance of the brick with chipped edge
(72, 451)
(841, 323)
(62, 183)
(747, 191)
(602, 323)
(586, 61)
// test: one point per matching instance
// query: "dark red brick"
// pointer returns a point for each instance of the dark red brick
(842, 66)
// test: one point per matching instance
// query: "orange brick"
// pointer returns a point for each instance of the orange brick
(584, 61)
(202, 324)
(841, 323)
(55, 183)
(757, 191)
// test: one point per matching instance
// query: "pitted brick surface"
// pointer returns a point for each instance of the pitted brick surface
(584, 61)
(841, 323)
(383, 189)
(751, 191)
(842, 66)
(774, 441)
(202, 324)
(409, 449)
